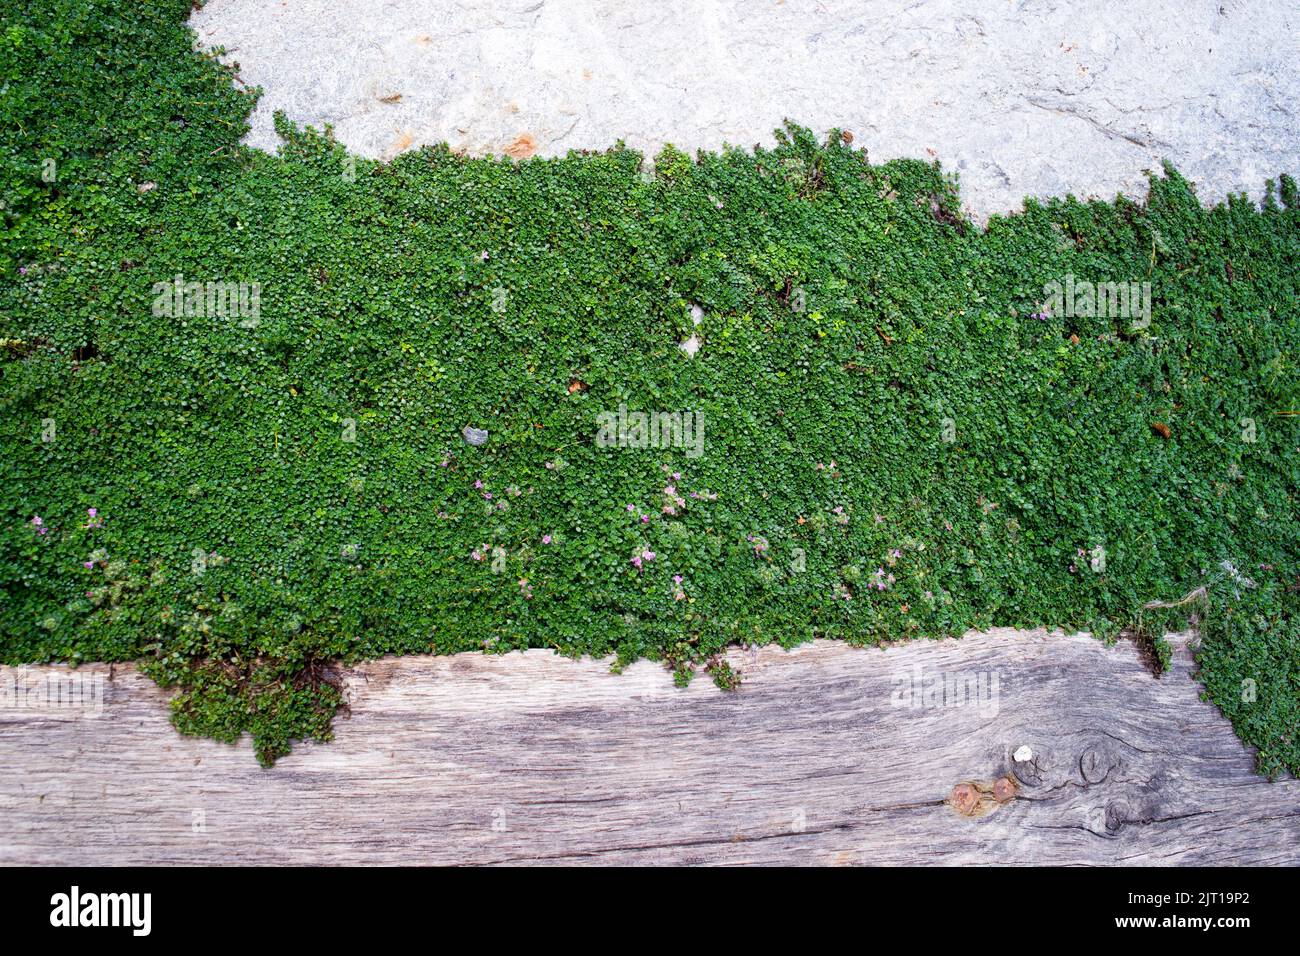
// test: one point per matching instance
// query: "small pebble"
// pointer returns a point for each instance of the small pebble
(1022, 754)
(475, 436)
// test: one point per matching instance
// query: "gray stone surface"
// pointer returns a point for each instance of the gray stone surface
(1031, 97)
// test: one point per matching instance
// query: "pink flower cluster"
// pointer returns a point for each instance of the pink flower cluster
(674, 503)
(500, 505)
(672, 500)
(93, 520)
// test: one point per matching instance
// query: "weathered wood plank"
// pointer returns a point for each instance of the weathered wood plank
(531, 757)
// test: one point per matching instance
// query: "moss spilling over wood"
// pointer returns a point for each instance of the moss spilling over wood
(264, 412)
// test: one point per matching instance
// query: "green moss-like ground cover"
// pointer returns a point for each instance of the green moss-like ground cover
(897, 440)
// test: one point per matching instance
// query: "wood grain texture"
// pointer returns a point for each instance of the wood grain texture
(530, 757)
